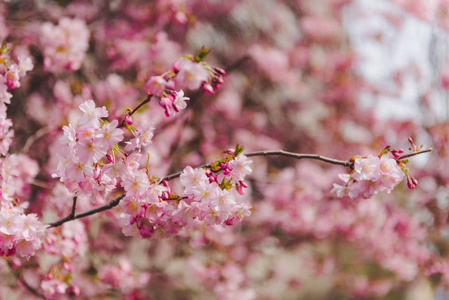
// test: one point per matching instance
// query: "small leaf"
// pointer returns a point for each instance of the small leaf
(225, 185)
(201, 54)
(238, 149)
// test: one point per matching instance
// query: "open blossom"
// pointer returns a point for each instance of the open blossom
(92, 114)
(5, 96)
(156, 85)
(141, 140)
(25, 65)
(239, 168)
(12, 76)
(179, 103)
(191, 74)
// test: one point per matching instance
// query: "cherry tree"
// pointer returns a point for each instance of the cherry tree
(195, 149)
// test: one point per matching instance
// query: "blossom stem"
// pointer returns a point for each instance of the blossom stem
(130, 113)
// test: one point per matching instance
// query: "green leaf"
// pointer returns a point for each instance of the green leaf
(201, 54)
(238, 149)
(225, 185)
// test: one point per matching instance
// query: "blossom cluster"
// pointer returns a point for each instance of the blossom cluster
(188, 73)
(370, 175)
(19, 233)
(82, 148)
(122, 276)
(64, 45)
(214, 198)
(150, 209)
(10, 76)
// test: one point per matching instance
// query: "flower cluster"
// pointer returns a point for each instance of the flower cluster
(122, 276)
(150, 208)
(189, 73)
(214, 198)
(369, 176)
(20, 233)
(10, 78)
(83, 146)
(65, 44)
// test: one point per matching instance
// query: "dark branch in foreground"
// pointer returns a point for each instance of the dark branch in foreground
(96, 210)
(116, 201)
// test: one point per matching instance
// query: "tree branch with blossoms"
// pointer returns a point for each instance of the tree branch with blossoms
(299, 156)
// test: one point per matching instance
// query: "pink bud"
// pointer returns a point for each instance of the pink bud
(73, 291)
(109, 157)
(67, 265)
(128, 120)
(176, 67)
(220, 71)
(208, 88)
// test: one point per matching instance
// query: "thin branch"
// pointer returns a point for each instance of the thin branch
(70, 217)
(130, 113)
(37, 135)
(93, 211)
(413, 154)
(345, 163)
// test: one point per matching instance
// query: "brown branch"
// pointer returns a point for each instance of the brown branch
(345, 163)
(130, 113)
(93, 211)
(70, 217)
(413, 154)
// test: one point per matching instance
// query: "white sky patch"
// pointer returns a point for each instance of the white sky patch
(385, 50)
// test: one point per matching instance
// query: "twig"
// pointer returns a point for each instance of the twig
(70, 217)
(37, 135)
(135, 109)
(413, 154)
(96, 210)
(345, 163)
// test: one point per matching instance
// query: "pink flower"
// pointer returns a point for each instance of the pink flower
(141, 140)
(91, 114)
(5, 96)
(366, 168)
(110, 134)
(156, 85)
(191, 74)
(52, 287)
(135, 182)
(25, 65)
(191, 177)
(179, 103)
(12, 76)
(239, 168)
(391, 173)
